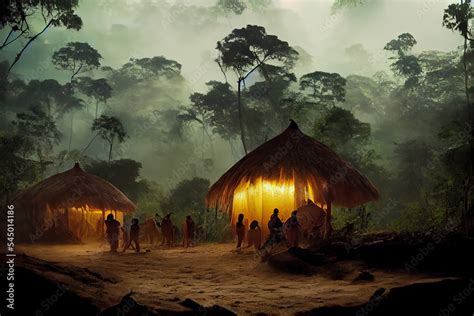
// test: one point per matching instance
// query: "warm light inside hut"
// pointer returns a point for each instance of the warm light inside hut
(257, 199)
(89, 222)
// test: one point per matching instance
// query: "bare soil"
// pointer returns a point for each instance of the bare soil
(210, 274)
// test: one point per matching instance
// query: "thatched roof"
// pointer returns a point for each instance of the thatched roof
(294, 155)
(74, 188)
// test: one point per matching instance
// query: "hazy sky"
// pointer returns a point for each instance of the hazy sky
(187, 31)
(145, 28)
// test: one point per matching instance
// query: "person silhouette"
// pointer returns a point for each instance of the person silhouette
(240, 230)
(112, 232)
(134, 236)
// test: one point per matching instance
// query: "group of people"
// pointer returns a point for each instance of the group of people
(131, 238)
(168, 230)
(279, 231)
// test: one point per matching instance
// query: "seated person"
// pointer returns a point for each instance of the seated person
(254, 236)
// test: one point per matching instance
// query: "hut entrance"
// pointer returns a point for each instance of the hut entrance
(88, 224)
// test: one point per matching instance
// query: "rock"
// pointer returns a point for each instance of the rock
(127, 307)
(377, 294)
(429, 298)
(364, 276)
(198, 309)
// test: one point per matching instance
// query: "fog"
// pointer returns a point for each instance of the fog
(187, 32)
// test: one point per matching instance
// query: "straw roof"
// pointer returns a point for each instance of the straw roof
(74, 188)
(294, 155)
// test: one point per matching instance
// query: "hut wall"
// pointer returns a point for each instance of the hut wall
(87, 224)
(257, 200)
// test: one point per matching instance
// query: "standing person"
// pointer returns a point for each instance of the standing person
(188, 232)
(275, 224)
(134, 236)
(167, 230)
(292, 230)
(276, 234)
(240, 230)
(112, 232)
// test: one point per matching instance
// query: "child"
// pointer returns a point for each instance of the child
(254, 237)
(240, 230)
(292, 230)
(134, 236)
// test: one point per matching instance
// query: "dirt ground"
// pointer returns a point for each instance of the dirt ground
(211, 274)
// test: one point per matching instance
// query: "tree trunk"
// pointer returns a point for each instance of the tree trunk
(96, 108)
(466, 212)
(110, 150)
(209, 138)
(242, 132)
(70, 131)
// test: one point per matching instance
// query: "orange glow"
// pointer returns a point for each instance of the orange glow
(88, 222)
(257, 200)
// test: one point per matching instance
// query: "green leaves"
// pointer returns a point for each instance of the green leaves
(456, 17)
(17, 16)
(326, 88)
(219, 108)
(340, 127)
(109, 127)
(40, 128)
(250, 47)
(147, 68)
(77, 57)
(402, 45)
(405, 65)
(99, 89)
(16, 13)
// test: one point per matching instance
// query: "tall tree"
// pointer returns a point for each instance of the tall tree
(325, 88)
(16, 170)
(98, 89)
(40, 129)
(218, 108)
(109, 128)
(245, 50)
(52, 97)
(405, 65)
(76, 58)
(122, 173)
(457, 17)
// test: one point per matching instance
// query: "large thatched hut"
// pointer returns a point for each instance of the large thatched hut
(71, 205)
(284, 173)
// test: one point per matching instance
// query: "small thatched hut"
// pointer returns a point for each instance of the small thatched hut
(70, 205)
(284, 173)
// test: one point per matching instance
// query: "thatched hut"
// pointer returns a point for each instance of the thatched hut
(284, 173)
(70, 205)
